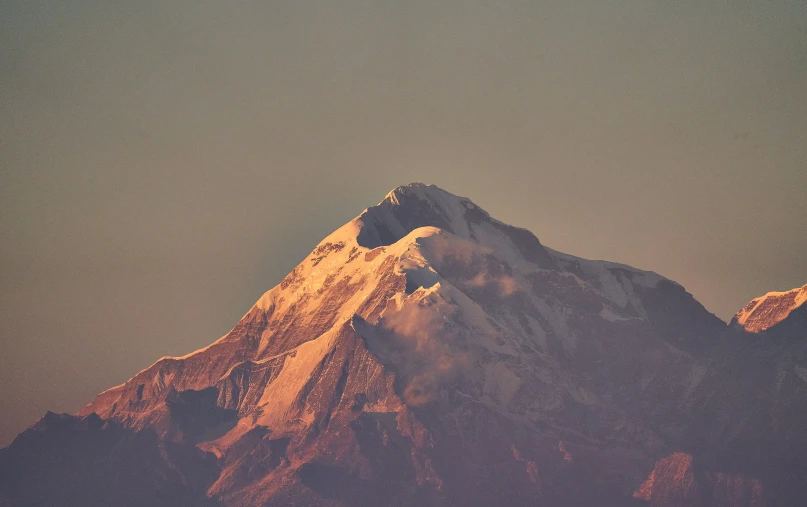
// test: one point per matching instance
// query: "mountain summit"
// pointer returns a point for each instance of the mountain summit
(771, 309)
(426, 353)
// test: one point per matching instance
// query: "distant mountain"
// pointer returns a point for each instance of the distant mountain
(771, 309)
(426, 353)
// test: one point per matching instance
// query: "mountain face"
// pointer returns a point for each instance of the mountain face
(765, 312)
(428, 354)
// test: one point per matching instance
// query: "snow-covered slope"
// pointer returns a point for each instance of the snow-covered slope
(764, 312)
(427, 353)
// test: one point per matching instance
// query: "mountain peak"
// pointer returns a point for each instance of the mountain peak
(412, 206)
(421, 348)
(766, 311)
(424, 192)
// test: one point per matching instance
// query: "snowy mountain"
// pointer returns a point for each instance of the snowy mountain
(769, 310)
(426, 353)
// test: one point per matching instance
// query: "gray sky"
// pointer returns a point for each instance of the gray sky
(164, 163)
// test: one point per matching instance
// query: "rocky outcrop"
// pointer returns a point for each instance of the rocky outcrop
(677, 481)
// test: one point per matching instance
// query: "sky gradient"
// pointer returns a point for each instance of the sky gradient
(165, 163)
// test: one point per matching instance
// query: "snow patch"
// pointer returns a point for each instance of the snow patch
(500, 383)
(609, 315)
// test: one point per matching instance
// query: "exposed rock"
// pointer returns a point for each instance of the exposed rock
(767, 311)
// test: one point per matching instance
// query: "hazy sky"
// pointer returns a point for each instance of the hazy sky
(164, 163)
